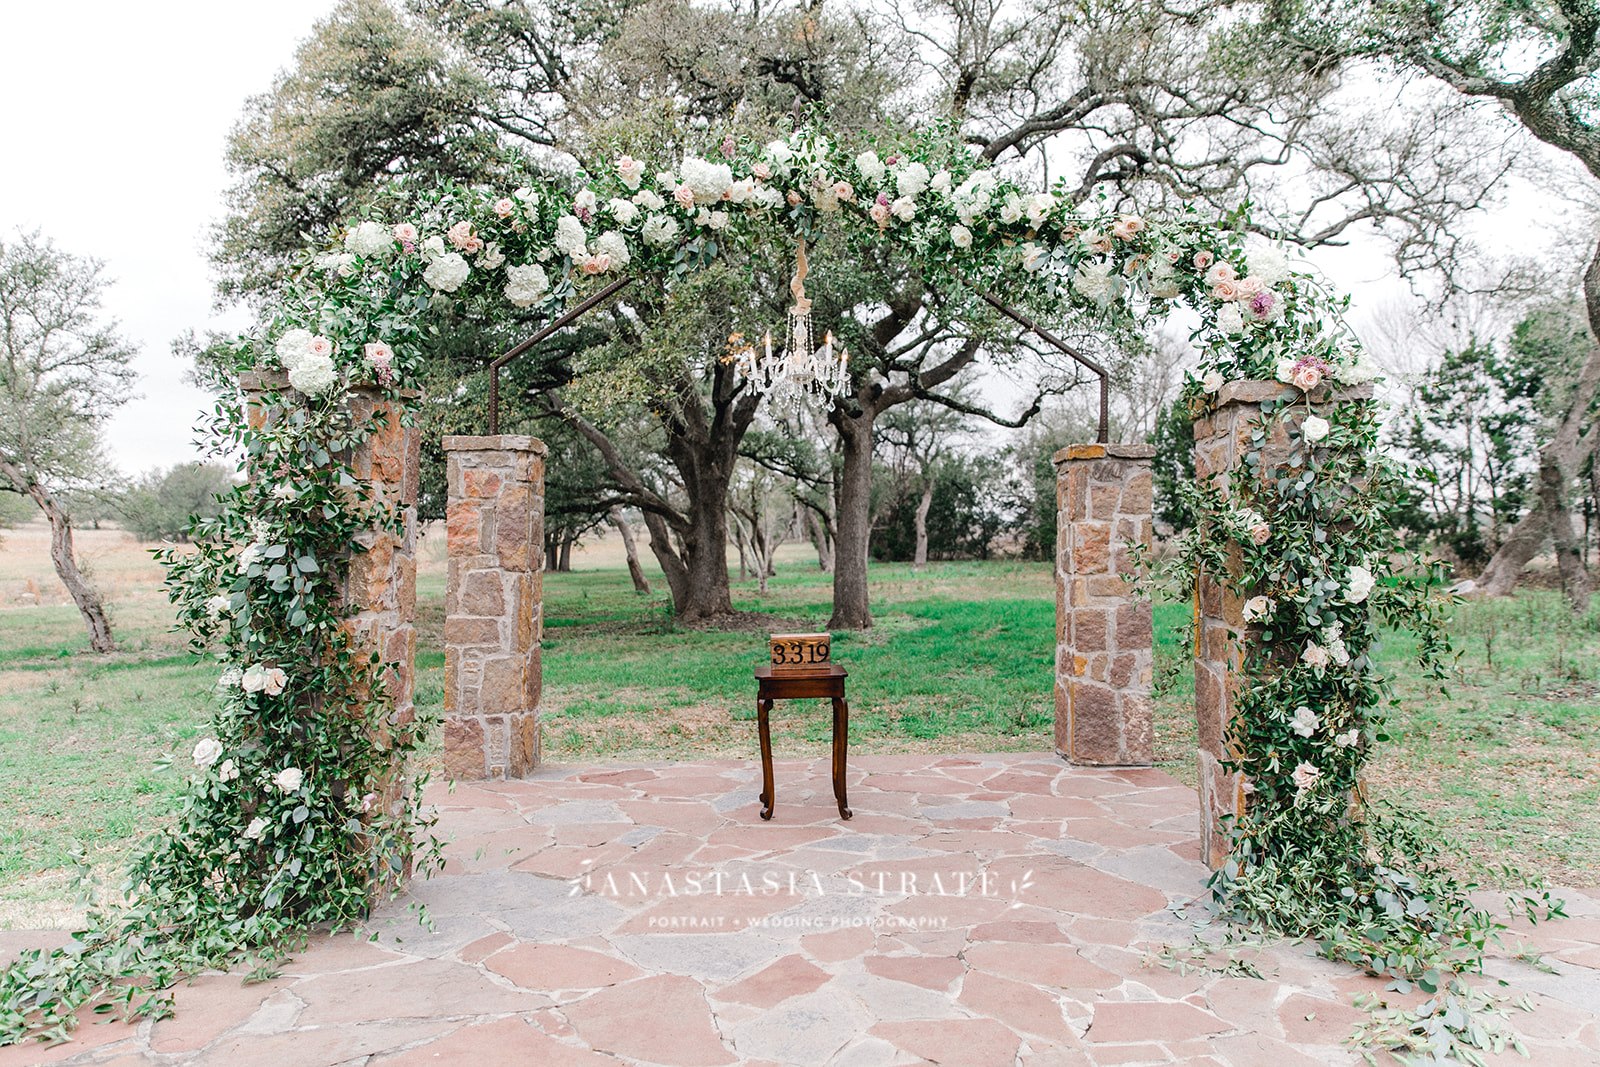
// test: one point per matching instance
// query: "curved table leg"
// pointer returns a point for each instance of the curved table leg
(841, 745)
(769, 795)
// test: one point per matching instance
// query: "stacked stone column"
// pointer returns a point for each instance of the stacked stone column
(1104, 639)
(1222, 438)
(493, 610)
(381, 582)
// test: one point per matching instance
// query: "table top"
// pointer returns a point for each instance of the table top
(821, 670)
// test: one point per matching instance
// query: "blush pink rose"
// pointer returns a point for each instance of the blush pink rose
(597, 263)
(762, 171)
(1202, 260)
(794, 198)
(460, 234)
(844, 190)
(503, 207)
(1225, 291)
(1306, 376)
(1126, 227)
(1249, 286)
(880, 214)
(684, 196)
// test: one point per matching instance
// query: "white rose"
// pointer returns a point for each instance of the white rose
(274, 680)
(228, 771)
(1011, 210)
(624, 211)
(1305, 776)
(631, 171)
(1033, 257)
(446, 273)
(904, 209)
(718, 220)
(941, 183)
(1347, 739)
(585, 201)
(779, 152)
(1358, 584)
(1212, 382)
(492, 256)
(1039, 207)
(912, 179)
(207, 751)
(370, 239)
(254, 678)
(254, 830)
(217, 607)
(526, 285)
(1315, 428)
(433, 247)
(1314, 656)
(1285, 370)
(1257, 608)
(1305, 721)
(961, 237)
(288, 779)
(570, 240)
(871, 167)
(314, 375)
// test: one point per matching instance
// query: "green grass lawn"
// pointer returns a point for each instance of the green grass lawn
(1506, 754)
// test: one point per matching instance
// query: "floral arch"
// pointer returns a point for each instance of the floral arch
(292, 819)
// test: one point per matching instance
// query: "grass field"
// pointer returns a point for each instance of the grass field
(1506, 754)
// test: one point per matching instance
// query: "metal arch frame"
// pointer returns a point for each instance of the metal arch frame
(591, 302)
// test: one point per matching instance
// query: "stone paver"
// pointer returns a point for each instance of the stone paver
(695, 934)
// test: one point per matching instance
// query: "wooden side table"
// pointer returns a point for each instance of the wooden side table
(827, 682)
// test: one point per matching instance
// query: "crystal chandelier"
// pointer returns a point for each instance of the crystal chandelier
(801, 369)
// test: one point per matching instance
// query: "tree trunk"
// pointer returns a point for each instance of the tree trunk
(552, 552)
(81, 589)
(641, 584)
(1569, 552)
(820, 540)
(921, 558)
(566, 555)
(740, 542)
(851, 610)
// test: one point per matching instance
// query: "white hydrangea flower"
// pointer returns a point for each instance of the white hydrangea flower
(1359, 582)
(871, 167)
(527, 285)
(229, 679)
(570, 240)
(941, 183)
(613, 244)
(706, 179)
(649, 199)
(1230, 320)
(779, 152)
(293, 345)
(370, 239)
(314, 375)
(433, 247)
(1269, 264)
(344, 263)
(288, 779)
(1095, 280)
(624, 211)
(206, 751)
(912, 179)
(446, 273)
(1357, 370)
(660, 230)
(1305, 721)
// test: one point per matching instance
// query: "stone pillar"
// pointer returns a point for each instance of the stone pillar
(493, 606)
(1222, 439)
(381, 583)
(1104, 639)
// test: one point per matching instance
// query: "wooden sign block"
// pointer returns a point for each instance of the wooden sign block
(800, 653)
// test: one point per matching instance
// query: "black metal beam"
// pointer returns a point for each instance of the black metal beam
(564, 321)
(1051, 339)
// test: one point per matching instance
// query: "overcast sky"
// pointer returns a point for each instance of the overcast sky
(115, 120)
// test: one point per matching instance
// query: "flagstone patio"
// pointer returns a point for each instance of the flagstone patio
(977, 910)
